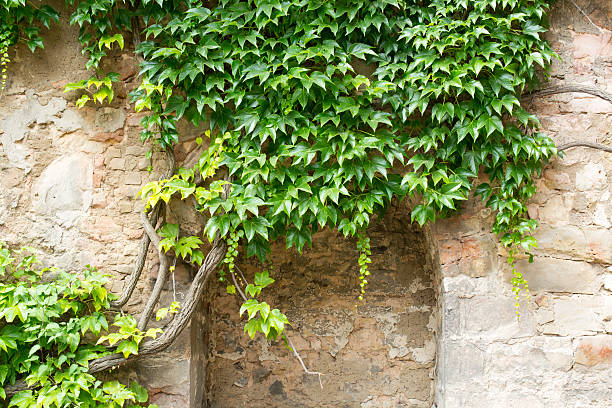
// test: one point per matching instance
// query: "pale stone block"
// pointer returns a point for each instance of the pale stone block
(494, 318)
(576, 316)
(133, 178)
(594, 350)
(600, 243)
(559, 275)
(564, 239)
(591, 176)
(557, 209)
(117, 163)
(137, 150)
(113, 152)
(607, 283)
(64, 188)
(109, 120)
(125, 207)
(600, 217)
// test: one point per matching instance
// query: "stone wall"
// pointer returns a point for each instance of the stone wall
(374, 354)
(560, 354)
(439, 323)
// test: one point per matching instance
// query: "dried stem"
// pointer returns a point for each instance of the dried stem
(566, 88)
(297, 355)
(592, 145)
(238, 288)
(162, 274)
(586, 15)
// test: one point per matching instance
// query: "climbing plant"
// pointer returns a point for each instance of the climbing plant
(315, 114)
(45, 331)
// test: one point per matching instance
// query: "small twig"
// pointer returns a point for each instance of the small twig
(241, 274)
(297, 355)
(173, 281)
(587, 17)
(238, 288)
(295, 352)
(592, 145)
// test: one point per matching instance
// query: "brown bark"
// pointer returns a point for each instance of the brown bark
(568, 88)
(162, 273)
(592, 145)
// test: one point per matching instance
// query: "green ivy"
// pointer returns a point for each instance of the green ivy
(47, 336)
(320, 112)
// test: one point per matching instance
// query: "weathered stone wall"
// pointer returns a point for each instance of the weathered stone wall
(560, 354)
(374, 354)
(67, 183)
(68, 180)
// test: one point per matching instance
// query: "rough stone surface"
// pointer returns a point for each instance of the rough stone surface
(439, 327)
(380, 353)
(558, 354)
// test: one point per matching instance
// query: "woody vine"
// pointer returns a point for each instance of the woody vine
(295, 139)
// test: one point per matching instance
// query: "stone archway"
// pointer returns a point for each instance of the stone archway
(380, 354)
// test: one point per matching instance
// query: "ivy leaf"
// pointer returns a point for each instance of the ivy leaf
(127, 348)
(422, 214)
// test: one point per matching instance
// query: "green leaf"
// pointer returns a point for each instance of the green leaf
(422, 214)
(263, 279)
(127, 348)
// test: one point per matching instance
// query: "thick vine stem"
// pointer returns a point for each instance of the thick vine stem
(144, 244)
(180, 321)
(171, 332)
(138, 265)
(566, 88)
(162, 274)
(592, 145)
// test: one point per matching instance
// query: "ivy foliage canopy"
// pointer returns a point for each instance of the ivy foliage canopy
(313, 141)
(323, 111)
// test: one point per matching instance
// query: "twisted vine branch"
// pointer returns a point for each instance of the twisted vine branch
(592, 145)
(162, 273)
(567, 88)
(144, 243)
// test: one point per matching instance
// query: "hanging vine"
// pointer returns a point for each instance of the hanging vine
(316, 114)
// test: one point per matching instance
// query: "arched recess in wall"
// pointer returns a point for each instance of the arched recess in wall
(381, 353)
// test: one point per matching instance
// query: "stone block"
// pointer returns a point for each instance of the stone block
(117, 163)
(562, 239)
(591, 176)
(133, 178)
(125, 207)
(463, 362)
(559, 275)
(65, 187)
(577, 315)
(109, 120)
(594, 350)
(113, 151)
(600, 244)
(557, 209)
(607, 283)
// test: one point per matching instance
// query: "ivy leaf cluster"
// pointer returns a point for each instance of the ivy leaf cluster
(330, 109)
(261, 318)
(47, 336)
